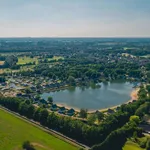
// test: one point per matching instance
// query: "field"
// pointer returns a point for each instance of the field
(14, 131)
(26, 60)
(132, 146)
(56, 58)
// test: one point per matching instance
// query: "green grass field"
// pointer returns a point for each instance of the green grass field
(56, 58)
(132, 146)
(14, 131)
(25, 60)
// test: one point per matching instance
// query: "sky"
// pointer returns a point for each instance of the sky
(74, 18)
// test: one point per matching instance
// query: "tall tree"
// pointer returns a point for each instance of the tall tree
(83, 113)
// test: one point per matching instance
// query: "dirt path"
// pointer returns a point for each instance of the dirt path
(39, 145)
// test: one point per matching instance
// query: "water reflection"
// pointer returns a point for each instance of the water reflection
(109, 94)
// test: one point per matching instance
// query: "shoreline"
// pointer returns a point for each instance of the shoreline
(133, 95)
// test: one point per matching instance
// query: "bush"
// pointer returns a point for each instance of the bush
(27, 146)
(142, 144)
(148, 144)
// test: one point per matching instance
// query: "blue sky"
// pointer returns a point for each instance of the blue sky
(74, 18)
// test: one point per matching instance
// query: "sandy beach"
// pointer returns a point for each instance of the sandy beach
(134, 94)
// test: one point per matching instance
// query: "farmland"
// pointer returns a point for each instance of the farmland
(13, 132)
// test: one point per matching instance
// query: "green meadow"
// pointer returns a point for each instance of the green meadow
(14, 131)
(132, 146)
(26, 60)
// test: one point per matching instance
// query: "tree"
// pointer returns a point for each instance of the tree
(79, 130)
(142, 94)
(37, 114)
(52, 120)
(148, 144)
(31, 111)
(143, 109)
(28, 90)
(148, 89)
(27, 146)
(99, 115)
(135, 119)
(38, 97)
(50, 99)
(143, 143)
(71, 80)
(10, 61)
(23, 108)
(117, 138)
(43, 116)
(135, 136)
(91, 119)
(2, 79)
(83, 113)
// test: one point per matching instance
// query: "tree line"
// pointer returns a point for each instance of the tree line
(72, 72)
(75, 129)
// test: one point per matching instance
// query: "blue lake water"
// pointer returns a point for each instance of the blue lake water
(108, 95)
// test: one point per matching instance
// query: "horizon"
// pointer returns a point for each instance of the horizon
(80, 18)
(78, 37)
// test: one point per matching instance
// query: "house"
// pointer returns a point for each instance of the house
(70, 112)
(134, 101)
(62, 110)
(118, 108)
(33, 88)
(110, 111)
(43, 101)
(19, 94)
(24, 95)
(54, 107)
(3, 84)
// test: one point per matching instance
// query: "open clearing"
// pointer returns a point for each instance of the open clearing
(26, 60)
(14, 131)
(132, 146)
(1, 62)
(56, 58)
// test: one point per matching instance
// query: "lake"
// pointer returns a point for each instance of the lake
(108, 95)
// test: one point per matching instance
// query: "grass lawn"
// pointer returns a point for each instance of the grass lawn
(56, 58)
(14, 131)
(23, 68)
(7, 70)
(132, 146)
(1, 71)
(27, 68)
(25, 60)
